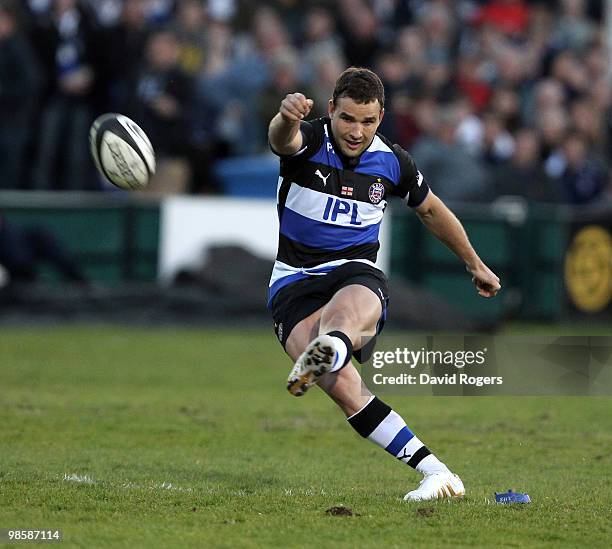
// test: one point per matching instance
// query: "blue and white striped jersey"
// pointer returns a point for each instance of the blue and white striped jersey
(330, 207)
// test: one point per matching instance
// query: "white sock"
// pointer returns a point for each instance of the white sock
(377, 422)
(431, 464)
(341, 352)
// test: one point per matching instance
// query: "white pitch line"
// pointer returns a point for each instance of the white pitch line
(83, 479)
(86, 479)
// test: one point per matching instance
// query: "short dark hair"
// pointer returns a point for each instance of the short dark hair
(361, 85)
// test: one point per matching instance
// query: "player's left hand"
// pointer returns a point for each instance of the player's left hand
(486, 281)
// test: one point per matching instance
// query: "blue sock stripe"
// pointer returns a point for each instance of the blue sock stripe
(400, 440)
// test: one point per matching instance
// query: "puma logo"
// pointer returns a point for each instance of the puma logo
(419, 178)
(405, 456)
(318, 172)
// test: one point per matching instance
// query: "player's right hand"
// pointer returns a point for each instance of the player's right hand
(486, 281)
(295, 107)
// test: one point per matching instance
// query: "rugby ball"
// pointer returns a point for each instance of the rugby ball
(121, 151)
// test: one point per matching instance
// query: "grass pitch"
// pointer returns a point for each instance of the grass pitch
(187, 438)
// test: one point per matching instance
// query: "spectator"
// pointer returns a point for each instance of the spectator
(292, 13)
(472, 83)
(121, 47)
(233, 89)
(573, 29)
(497, 65)
(547, 94)
(411, 48)
(108, 12)
(453, 173)
(506, 104)
(587, 120)
(415, 118)
(219, 49)
(571, 73)
(394, 75)
(600, 97)
(191, 30)
(512, 71)
(470, 128)
(66, 44)
(326, 71)
(208, 140)
(583, 180)
(359, 28)
(524, 175)
(498, 144)
(552, 125)
(438, 26)
(161, 104)
(20, 81)
(285, 79)
(320, 40)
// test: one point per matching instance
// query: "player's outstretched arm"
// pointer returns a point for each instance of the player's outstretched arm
(284, 130)
(436, 216)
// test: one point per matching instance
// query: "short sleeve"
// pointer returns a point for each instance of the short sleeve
(312, 139)
(411, 186)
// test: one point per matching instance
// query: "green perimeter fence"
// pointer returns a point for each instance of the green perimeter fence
(554, 262)
(114, 238)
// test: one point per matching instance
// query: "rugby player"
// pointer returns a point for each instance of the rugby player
(328, 299)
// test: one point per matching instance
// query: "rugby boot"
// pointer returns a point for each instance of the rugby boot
(316, 360)
(437, 486)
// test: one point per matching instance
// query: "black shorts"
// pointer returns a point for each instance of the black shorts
(300, 299)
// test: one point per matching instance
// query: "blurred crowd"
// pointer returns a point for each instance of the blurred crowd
(492, 98)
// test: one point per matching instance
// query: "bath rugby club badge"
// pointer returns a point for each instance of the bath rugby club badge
(376, 192)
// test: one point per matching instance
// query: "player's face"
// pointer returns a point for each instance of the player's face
(354, 124)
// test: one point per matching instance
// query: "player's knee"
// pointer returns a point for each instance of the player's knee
(342, 320)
